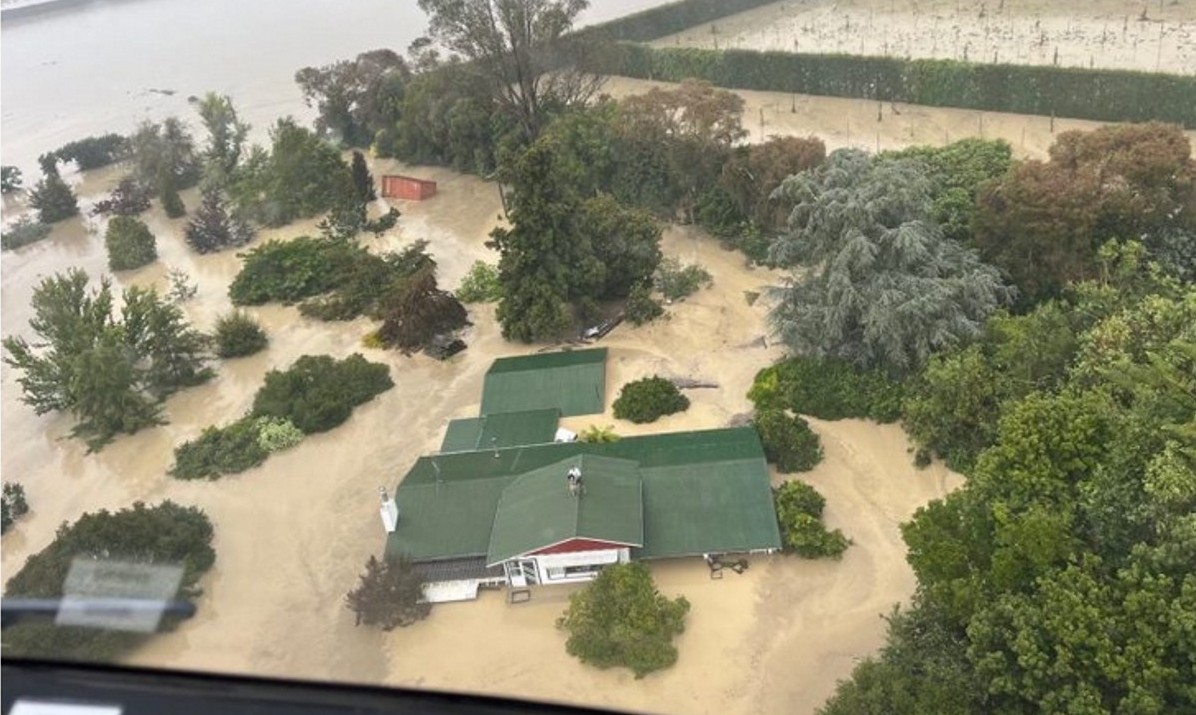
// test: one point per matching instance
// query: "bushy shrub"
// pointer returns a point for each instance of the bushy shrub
(649, 399)
(480, 285)
(130, 244)
(12, 505)
(827, 389)
(417, 311)
(390, 594)
(676, 281)
(595, 434)
(22, 233)
(289, 271)
(163, 534)
(275, 435)
(621, 620)
(10, 179)
(213, 227)
(129, 198)
(238, 334)
(383, 223)
(641, 306)
(799, 515)
(219, 451)
(53, 199)
(318, 392)
(788, 441)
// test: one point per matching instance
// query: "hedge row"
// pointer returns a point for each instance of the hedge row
(672, 18)
(1098, 94)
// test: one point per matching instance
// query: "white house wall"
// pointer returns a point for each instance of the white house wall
(548, 565)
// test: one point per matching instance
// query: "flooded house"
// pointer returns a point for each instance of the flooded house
(505, 504)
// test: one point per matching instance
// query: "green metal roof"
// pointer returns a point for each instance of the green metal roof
(508, 429)
(703, 492)
(445, 520)
(548, 361)
(710, 508)
(537, 509)
(573, 382)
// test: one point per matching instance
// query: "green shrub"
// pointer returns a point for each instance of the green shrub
(162, 534)
(218, 451)
(289, 271)
(238, 334)
(12, 505)
(799, 515)
(276, 435)
(10, 179)
(130, 244)
(621, 620)
(22, 233)
(172, 203)
(788, 441)
(595, 434)
(641, 306)
(649, 399)
(94, 152)
(827, 389)
(480, 285)
(53, 199)
(348, 280)
(318, 393)
(676, 281)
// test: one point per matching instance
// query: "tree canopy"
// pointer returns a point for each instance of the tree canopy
(882, 287)
(354, 97)
(111, 374)
(1044, 222)
(517, 45)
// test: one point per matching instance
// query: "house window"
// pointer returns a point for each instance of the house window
(563, 572)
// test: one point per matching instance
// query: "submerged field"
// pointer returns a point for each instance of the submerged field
(1114, 34)
(292, 534)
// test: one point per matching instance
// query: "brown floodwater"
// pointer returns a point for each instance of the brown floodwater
(104, 66)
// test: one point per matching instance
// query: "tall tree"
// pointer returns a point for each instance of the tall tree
(518, 45)
(695, 124)
(355, 98)
(752, 175)
(362, 179)
(226, 139)
(882, 286)
(537, 250)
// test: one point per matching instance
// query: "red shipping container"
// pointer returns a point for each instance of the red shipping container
(407, 187)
